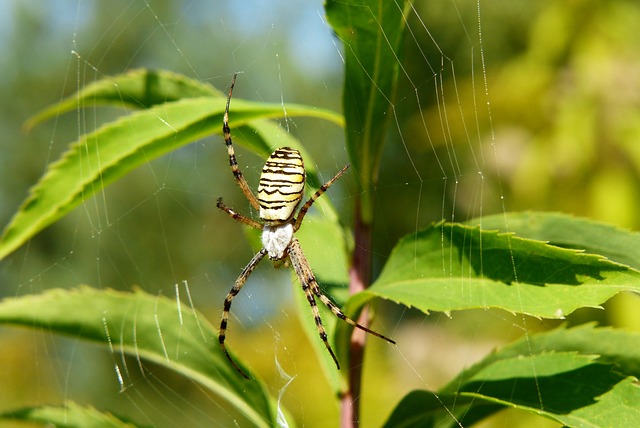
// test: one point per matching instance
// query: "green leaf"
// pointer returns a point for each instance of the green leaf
(562, 230)
(154, 328)
(451, 267)
(421, 409)
(71, 415)
(325, 246)
(568, 388)
(137, 89)
(561, 375)
(616, 347)
(115, 149)
(371, 31)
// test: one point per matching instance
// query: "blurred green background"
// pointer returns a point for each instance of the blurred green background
(562, 133)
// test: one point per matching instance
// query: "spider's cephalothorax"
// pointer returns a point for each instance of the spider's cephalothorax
(279, 194)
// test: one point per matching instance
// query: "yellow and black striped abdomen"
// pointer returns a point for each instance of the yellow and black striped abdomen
(281, 185)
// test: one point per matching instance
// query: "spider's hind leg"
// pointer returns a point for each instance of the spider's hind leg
(311, 288)
(338, 313)
(227, 305)
(316, 317)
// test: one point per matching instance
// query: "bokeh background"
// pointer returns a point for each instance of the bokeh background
(562, 134)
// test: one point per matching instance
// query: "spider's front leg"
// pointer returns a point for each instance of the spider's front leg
(238, 217)
(305, 208)
(233, 163)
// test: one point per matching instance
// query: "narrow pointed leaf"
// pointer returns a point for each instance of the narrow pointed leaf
(613, 346)
(136, 89)
(573, 377)
(562, 230)
(371, 31)
(71, 415)
(154, 328)
(115, 149)
(451, 267)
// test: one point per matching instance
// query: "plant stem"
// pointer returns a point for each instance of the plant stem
(359, 279)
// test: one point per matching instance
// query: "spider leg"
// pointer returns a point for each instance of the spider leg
(312, 199)
(227, 305)
(337, 312)
(237, 174)
(238, 217)
(308, 279)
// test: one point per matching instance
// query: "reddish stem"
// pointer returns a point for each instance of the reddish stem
(359, 279)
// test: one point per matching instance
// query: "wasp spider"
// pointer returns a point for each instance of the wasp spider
(279, 193)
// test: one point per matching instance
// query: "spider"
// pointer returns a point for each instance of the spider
(279, 194)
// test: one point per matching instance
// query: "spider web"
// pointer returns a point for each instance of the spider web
(448, 157)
